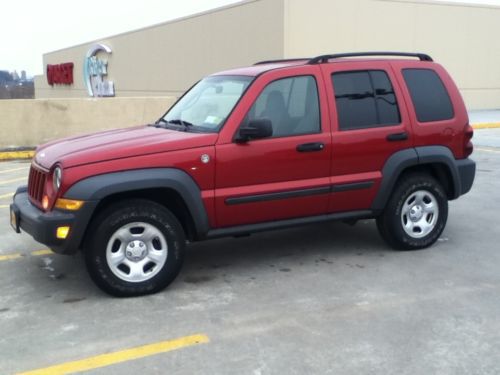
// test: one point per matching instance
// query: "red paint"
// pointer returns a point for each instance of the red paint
(60, 74)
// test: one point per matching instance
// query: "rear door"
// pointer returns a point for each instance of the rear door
(283, 176)
(369, 124)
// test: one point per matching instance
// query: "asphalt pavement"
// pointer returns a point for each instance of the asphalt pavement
(321, 299)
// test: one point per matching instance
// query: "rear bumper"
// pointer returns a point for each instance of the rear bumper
(466, 173)
(42, 226)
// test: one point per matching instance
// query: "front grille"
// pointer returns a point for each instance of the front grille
(36, 184)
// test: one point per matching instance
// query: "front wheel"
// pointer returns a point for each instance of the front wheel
(416, 213)
(134, 248)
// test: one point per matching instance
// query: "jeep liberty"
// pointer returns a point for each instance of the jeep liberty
(382, 135)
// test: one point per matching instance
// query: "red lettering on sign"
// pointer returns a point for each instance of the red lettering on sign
(60, 74)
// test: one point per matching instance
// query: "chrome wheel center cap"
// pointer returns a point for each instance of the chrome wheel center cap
(136, 250)
(416, 213)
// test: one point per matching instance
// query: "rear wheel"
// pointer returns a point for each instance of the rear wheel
(134, 248)
(416, 213)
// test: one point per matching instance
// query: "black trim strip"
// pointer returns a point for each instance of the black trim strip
(278, 195)
(352, 186)
(299, 193)
(287, 223)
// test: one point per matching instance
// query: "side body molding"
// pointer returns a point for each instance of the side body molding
(99, 187)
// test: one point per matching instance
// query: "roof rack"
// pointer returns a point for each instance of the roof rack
(281, 61)
(325, 58)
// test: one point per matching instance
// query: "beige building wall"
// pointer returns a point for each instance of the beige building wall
(28, 122)
(463, 38)
(167, 59)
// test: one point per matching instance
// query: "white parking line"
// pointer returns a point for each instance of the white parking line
(15, 169)
(5, 182)
(488, 150)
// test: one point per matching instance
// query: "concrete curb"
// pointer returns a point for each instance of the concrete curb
(23, 153)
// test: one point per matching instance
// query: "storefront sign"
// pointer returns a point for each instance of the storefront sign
(60, 74)
(95, 71)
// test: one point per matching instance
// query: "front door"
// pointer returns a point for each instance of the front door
(283, 176)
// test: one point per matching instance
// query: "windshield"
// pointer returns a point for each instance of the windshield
(207, 105)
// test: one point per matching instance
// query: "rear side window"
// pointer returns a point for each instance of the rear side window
(429, 96)
(365, 99)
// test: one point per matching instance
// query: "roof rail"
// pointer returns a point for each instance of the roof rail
(282, 61)
(325, 58)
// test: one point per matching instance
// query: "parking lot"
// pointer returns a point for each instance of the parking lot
(322, 299)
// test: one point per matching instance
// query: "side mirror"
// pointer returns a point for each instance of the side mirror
(255, 129)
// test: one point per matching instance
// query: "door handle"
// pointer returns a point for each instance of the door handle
(397, 137)
(310, 147)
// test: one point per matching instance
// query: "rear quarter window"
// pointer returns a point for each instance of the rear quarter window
(428, 94)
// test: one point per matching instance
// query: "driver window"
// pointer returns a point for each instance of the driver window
(291, 104)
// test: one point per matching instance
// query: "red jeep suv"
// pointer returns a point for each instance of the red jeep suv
(274, 145)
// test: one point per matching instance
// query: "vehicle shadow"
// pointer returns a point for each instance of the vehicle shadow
(282, 250)
(316, 242)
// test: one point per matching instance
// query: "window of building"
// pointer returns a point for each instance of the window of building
(291, 104)
(365, 99)
(428, 94)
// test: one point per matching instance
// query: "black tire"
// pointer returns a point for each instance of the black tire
(118, 216)
(390, 222)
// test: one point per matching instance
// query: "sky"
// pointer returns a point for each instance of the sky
(30, 28)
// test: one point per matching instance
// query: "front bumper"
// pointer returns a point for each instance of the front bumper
(42, 226)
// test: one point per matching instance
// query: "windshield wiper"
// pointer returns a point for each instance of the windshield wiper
(160, 123)
(186, 124)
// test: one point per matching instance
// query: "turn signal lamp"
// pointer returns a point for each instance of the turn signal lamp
(62, 232)
(45, 202)
(68, 204)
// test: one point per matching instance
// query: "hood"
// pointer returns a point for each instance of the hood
(116, 144)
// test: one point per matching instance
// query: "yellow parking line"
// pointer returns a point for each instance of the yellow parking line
(120, 356)
(15, 169)
(10, 257)
(4, 206)
(8, 195)
(10, 155)
(5, 182)
(486, 125)
(20, 255)
(42, 252)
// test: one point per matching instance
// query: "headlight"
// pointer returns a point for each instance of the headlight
(57, 178)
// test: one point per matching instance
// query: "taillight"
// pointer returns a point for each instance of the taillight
(468, 146)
